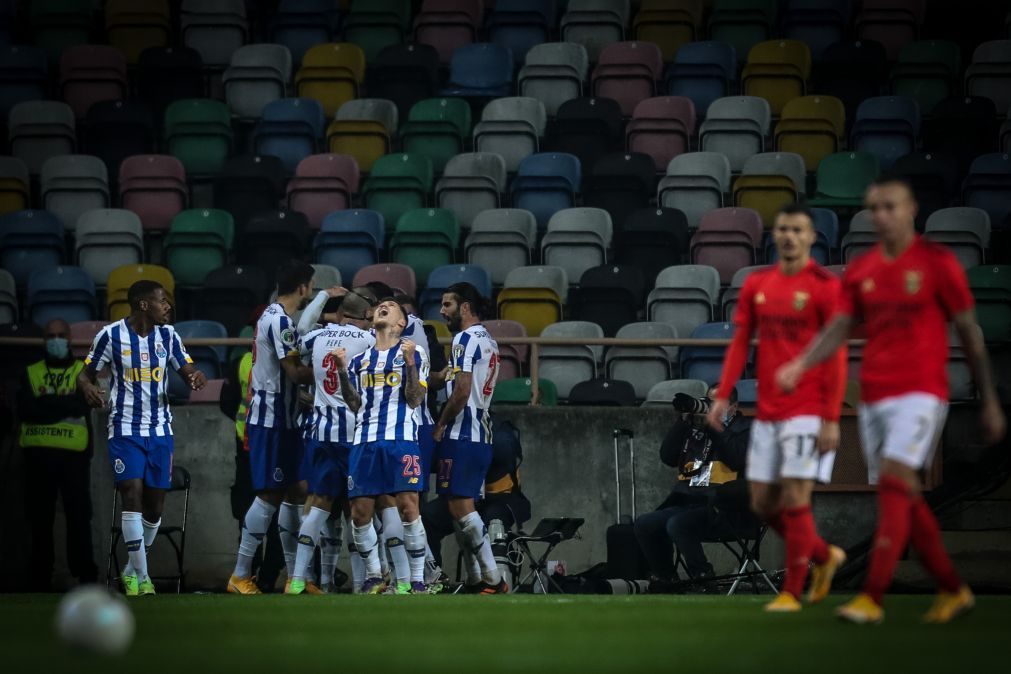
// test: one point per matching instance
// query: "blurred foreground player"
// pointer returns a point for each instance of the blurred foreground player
(139, 349)
(905, 290)
(795, 435)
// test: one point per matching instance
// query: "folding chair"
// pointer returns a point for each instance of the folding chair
(175, 534)
(550, 531)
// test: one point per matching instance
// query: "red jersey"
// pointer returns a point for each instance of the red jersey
(905, 305)
(786, 312)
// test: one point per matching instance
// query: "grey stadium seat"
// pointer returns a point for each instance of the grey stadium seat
(860, 238)
(684, 297)
(662, 393)
(471, 183)
(695, 183)
(567, 366)
(256, 75)
(540, 276)
(325, 276)
(107, 238)
(595, 23)
(73, 184)
(214, 28)
(38, 130)
(373, 109)
(789, 164)
(729, 302)
(642, 366)
(577, 239)
(511, 127)
(964, 229)
(737, 127)
(501, 240)
(554, 72)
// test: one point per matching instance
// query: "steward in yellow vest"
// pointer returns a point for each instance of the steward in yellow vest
(56, 439)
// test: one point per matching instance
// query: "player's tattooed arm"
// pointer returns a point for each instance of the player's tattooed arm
(993, 423)
(414, 392)
(348, 392)
(295, 370)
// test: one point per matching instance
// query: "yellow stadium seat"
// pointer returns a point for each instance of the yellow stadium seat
(813, 127)
(364, 140)
(778, 71)
(668, 24)
(135, 25)
(765, 194)
(535, 308)
(442, 332)
(13, 195)
(121, 278)
(331, 73)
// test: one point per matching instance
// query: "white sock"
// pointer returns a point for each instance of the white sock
(473, 569)
(367, 545)
(254, 528)
(150, 532)
(415, 542)
(476, 534)
(289, 521)
(357, 563)
(133, 536)
(308, 538)
(429, 555)
(330, 548)
(393, 541)
(384, 554)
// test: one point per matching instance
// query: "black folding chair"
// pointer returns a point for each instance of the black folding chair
(549, 532)
(174, 534)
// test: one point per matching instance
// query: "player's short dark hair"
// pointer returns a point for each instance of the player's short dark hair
(141, 290)
(333, 305)
(480, 305)
(797, 209)
(732, 398)
(292, 274)
(402, 298)
(380, 290)
(894, 179)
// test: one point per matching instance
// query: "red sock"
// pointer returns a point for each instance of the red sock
(926, 539)
(818, 546)
(894, 522)
(776, 524)
(798, 548)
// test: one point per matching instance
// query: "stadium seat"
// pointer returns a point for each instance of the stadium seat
(546, 183)
(695, 183)
(988, 186)
(927, 71)
(652, 239)
(747, 392)
(136, 25)
(290, 129)
(30, 241)
(90, 73)
(256, 75)
(198, 132)
(642, 366)
(230, 294)
(121, 278)
(742, 23)
(662, 393)
(705, 363)
(375, 24)
(736, 127)
(852, 71)
(587, 128)
(886, 127)
(271, 239)
(198, 241)
(566, 366)
(778, 71)
(512, 128)
(817, 23)
(115, 130)
(520, 25)
(501, 240)
(893, 23)
(482, 70)
(397, 276)
(326, 276)
(843, 178)
(84, 331)
(518, 391)
(364, 129)
(609, 296)
(323, 183)
(512, 357)
(73, 184)
(24, 75)
(627, 72)
(812, 127)
(154, 187)
(448, 25)
(331, 74)
(169, 74)
(577, 239)
(15, 185)
(620, 183)
(728, 304)
(300, 25)
(554, 73)
(965, 230)
(397, 184)
(441, 278)
(684, 297)
(702, 72)
(768, 182)
(471, 183)
(991, 288)
(107, 238)
(963, 127)
(860, 238)
(247, 185)
(404, 74)
(350, 240)
(425, 239)
(208, 359)
(602, 392)
(57, 24)
(534, 296)
(727, 239)
(594, 24)
(39, 130)
(67, 293)
(670, 25)
(934, 178)
(437, 128)
(989, 74)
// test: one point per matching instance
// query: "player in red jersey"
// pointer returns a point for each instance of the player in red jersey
(905, 290)
(795, 435)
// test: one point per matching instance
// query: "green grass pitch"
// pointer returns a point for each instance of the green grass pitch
(533, 634)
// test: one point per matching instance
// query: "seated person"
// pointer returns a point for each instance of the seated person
(710, 464)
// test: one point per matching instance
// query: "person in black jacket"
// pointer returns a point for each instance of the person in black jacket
(710, 465)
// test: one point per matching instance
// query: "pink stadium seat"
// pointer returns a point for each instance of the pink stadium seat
(448, 24)
(323, 183)
(628, 73)
(397, 276)
(512, 356)
(91, 73)
(211, 393)
(154, 187)
(84, 331)
(727, 239)
(661, 127)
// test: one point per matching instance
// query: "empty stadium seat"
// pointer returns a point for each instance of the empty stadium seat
(747, 392)
(642, 366)
(437, 128)
(66, 293)
(733, 293)
(15, 185)
(373, 25)
(671, 25)
(988, 186)
(566, 366)
(198, 132)
(727, 239)
(441, 278)
(481, 70)
(778, 71)
(84, 331)
(736, 127)
(512, 128)
(364, 129)
(73, 184)
(742, 23)
(247, 185)
(397, 184)
(843, 178)
(471, 183)
(684, 297)
(602, 392)
(695, 183)
(424, 239)
(256, 75)
(519, 391)
(627, 72)
(331, 74)
(587, 128)
(326, 276)
(991, 289)
(934, 179)
(512, 357)
(963, 127)
(989, 74)
(91, 73)
(662, 393)
(594, 24)
(448, 25)
(501, 240)
(230, 294)
(271, 239)
(208, 359)
(115, 130)
(302, 24)
(546, 183)
(652, 239)
(609, 296)
(290, 129)
(768, 182)
(39, 130)
(927, 71)
(30, 240)
(860, 237)
(323, 183)
(404, 74)
(852, 70)
(887, 127)
(107, 238)
(350, 240)
(702, 72)
(121, 278)
(520, 25)
(24, 74)
(817, 23)
(169, 74)
(554, 73)
(397, 276)
(154, 187)
(198, 241)
(136, 25)
(813, 127)
(893, 23)
(965, 230)
(661, 127)
(534, 296)
(577, 239)
(705, 363)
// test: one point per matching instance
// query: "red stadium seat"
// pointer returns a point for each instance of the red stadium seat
(628, 73)
(397, 276)
(323, 183)
(661, 127)
(154, 187)
(727, 239)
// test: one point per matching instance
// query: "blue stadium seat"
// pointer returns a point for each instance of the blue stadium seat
(988, 186)
(207, 359)
(350, 240)
(290, 129)
(520, 25)
(546, 183)
(886, 127)
(300, 24)
(703, 72)
(61, 292)
(30, 241)
(819, 23)
(480, 70)
(705, 362)
(442, 277)
(747, 392)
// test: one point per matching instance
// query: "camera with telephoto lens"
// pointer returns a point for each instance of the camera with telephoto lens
(687, 404)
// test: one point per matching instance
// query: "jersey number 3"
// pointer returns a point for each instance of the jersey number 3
(330, 381)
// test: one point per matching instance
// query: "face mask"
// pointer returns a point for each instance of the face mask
(57, 347)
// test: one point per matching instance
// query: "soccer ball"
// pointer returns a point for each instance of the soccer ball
(92, 618)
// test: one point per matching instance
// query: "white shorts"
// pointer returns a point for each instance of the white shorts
(905, 429)
(785, 449)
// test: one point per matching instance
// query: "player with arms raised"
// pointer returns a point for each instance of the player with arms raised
(463, 432)
(905, 290)
(139, 350)
(795, 435)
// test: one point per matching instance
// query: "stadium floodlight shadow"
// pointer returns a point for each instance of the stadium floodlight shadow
(550, 531)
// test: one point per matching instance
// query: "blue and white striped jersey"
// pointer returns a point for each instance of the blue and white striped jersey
(138, 400)
(378, 377)
(415, 331)
(474, 351)
(332, 421)
(274, 400)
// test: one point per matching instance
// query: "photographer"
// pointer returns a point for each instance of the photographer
(709, 465)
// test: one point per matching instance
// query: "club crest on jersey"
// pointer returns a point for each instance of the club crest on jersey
(457, 351)
(351, 483)
(160, 351)
(144, 357)
(278, 475)
(119, 467)
(760, 298)
(800, 300)
(914, 281)
(868, 285)
(398, 361)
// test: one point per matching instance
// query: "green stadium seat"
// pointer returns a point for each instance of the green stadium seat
(518, 392)
(927, 71)
(425, 238)
(198, 241)
(374, 24)
(843, 178)
(198, 131)
(991, 286)
(397, 184)
(437, 128)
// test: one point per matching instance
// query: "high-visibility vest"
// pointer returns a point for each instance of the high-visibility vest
(245, 370)
(70, 433)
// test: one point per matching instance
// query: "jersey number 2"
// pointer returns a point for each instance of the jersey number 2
(489, 383)
(330, 381)
(412, 465)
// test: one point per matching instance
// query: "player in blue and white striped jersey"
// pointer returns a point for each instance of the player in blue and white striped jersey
(463, 432)
(139, 350)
